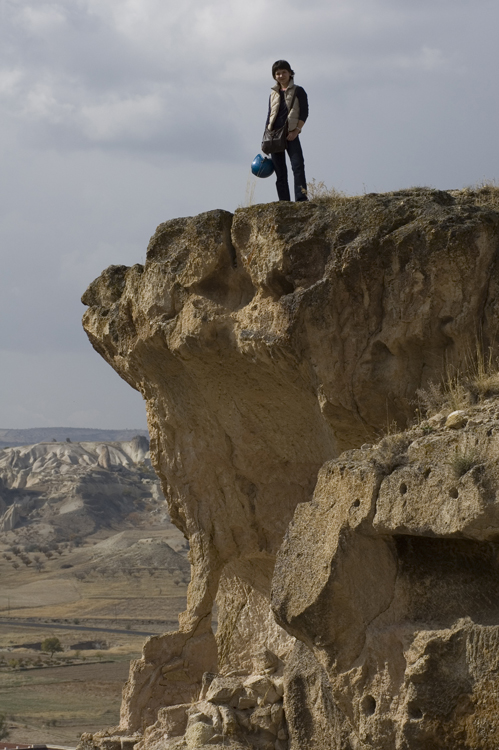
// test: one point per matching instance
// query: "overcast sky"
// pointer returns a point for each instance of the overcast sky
(117, 115)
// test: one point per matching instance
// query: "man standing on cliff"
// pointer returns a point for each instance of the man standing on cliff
(288, 102)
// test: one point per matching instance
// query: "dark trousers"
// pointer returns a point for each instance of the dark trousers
(298, 166)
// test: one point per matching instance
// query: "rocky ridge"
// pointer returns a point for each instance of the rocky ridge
(29, 436)
(269, 347)
(57, 489)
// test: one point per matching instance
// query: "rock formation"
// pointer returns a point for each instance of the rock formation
(270, 346)
(390, 576)
(57, 491)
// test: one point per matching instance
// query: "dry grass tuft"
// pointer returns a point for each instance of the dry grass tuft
(461, 463)
(390, 452)
(318, 192)
(449, 395)
(485, 193)
(250, 192)
(461, 389)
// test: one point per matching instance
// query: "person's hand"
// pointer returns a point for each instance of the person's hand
(293, 134)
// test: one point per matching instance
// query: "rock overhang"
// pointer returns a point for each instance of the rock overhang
(383, 281)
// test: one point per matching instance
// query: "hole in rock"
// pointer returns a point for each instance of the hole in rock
(226, 288)
(414, 712)
(279, 285)
(347, 236)
(368, 705)
(453, 492)
(427, 473)
(403, 488)
(447, 579)
(356, 504)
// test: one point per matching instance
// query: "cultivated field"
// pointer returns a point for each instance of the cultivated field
(57, 704)
(130, 582)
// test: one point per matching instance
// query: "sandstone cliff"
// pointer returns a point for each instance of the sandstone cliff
(266, 344)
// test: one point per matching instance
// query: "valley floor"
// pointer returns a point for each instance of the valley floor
(100, 609)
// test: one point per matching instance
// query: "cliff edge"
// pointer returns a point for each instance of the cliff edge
(268, 345)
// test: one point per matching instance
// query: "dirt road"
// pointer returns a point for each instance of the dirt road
(62, 626)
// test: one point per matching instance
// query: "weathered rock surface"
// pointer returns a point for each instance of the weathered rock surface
(265, 344)
(391, 577)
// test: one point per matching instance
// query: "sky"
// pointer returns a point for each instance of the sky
(117, 115)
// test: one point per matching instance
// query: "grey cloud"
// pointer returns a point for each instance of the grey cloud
(87, 82)
(81, 84)
(119, 115)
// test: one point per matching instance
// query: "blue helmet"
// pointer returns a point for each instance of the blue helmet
(262, 166)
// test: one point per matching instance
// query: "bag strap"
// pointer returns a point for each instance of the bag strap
(289, 108)
(292, 102)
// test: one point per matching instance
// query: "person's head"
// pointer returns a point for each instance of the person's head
(281, 65)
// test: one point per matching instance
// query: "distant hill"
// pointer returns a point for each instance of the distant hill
(30, 436)
(59, 492)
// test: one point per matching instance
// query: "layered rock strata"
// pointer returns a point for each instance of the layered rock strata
(265, 344)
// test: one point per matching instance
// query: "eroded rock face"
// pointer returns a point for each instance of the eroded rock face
(265, 344)
(391, 577)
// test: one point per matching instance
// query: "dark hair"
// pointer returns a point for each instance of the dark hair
(281, 65)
